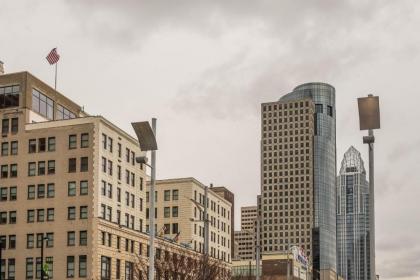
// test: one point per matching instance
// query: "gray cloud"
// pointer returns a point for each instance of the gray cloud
(117, 52)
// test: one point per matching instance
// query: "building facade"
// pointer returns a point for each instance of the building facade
(229, 196)
(298, 158)
(69, 183)
(178, 210)
(246, 237)
(353, 218)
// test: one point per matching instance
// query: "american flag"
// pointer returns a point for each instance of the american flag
(53, 57)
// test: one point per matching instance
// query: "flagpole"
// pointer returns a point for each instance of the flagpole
(55, 83)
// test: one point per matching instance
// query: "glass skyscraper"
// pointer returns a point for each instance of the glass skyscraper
(353, 218)
(299, 165)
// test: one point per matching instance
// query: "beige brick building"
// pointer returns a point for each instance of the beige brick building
(175, 210)
(72, 178)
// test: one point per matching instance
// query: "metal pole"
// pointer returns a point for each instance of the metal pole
(42, 257)
(1, 255)
(152, 210)
(287, 263)
(258, 248)
(55, 80)
(372, 208)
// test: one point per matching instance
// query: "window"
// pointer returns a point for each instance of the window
(73, 141)
(50, 190)
(14, 148)
(42, 104)
(41, 191)
(12, 217)
(83, 238)
(5, 149)
(40, 214)
(32, 146)
(5, 126)
(9, 97)
(83, 187)
(110, 145)
(29, 268)
(167, 195)
(167, 228)
(70, 266)
(118, 269)
(71, 188)
(119, 149)
(13, 171)
(31, 168)
(118, 194)
(82, 266)
(50, 214)
(63, 113)
(41, 167)
(127, 155)
(71, 238)
(41, 145)
(71, 213)
(30, 241)
(13, 193)
(15, 125)
(50, 240)
(104, 139)
(110, 167)
(84, 140)
(166, 212)
(133, 158)
(50, 262)
(174, 194)
(119, 172)
(83, 212)
(51, 167)
(175, 228)
(103, 164)
(175, 211)
(12, 241)
(72, 165)
(4, 171)
(30, 216)
(84, 164)
(31, 192)
(3, 241)
(105, 268)
(330, 110)
(129, 270)
(3, 194)
(51, 144)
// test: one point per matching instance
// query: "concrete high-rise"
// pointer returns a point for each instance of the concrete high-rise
(298, 174)
(246, 237)
(353, 218)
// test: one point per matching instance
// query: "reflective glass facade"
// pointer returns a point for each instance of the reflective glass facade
(324, 173)
(352, 218)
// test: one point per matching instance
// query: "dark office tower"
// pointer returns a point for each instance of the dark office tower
(298, 154)
(353, 218)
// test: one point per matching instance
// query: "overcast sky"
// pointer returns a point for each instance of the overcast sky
(203, 68)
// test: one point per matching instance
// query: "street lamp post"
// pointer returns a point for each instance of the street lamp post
(146, 136)
(42, 255)
(369, 118)
(258, 249)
